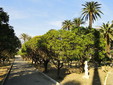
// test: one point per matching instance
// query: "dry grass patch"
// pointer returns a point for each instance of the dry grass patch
(4, 68)
(97, 77)
(3, 72)
(73, 76)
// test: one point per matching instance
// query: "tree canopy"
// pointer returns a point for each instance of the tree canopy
(9, 42)
(107, 31)
(91, 12)
(73, 42)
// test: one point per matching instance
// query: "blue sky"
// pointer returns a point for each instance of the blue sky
(36, 17)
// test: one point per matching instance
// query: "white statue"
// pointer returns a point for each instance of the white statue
(86, 70)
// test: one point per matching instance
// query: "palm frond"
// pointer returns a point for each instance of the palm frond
(91, 7)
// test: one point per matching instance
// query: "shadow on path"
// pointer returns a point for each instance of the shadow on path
(23, 73)
(73, 82)
(34, 78)
(96, 77)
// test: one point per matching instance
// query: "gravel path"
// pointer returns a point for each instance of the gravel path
(23, 73)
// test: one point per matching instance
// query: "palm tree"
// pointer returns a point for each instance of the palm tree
(78, 21)
(91, 12)
(25, 37)
(67, 24)
(107, 30)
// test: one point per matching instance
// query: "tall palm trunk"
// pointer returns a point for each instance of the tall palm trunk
(107, 45)
(90, 20)
(68, 28)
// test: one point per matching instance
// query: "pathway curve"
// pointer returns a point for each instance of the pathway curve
(23, 73)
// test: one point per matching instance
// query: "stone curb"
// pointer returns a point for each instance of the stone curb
(7, 74)
(105, 81)
(56, 83)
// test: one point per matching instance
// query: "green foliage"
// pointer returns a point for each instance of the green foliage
(107, 31)
(84, 43)
(75, 44)
(57, 43)
(77, 22)
(9, 42)
(78, 44)
(67, 25)
(99, 46)
(91, 11)
(30, 46)
(71, 43)
(34, 48)
(25, 37)
(4, 18)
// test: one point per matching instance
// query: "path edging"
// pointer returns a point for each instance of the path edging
(105, 81)
(57, 83)
(7, 74)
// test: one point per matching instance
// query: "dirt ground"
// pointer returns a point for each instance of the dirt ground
(4, 68)
(96, 76)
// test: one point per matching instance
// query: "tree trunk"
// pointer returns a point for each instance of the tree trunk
(46, 65)
(82, 65)
(58, 69)
(90, 20)
(68, 28)
(58, 65)
(107, 46)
